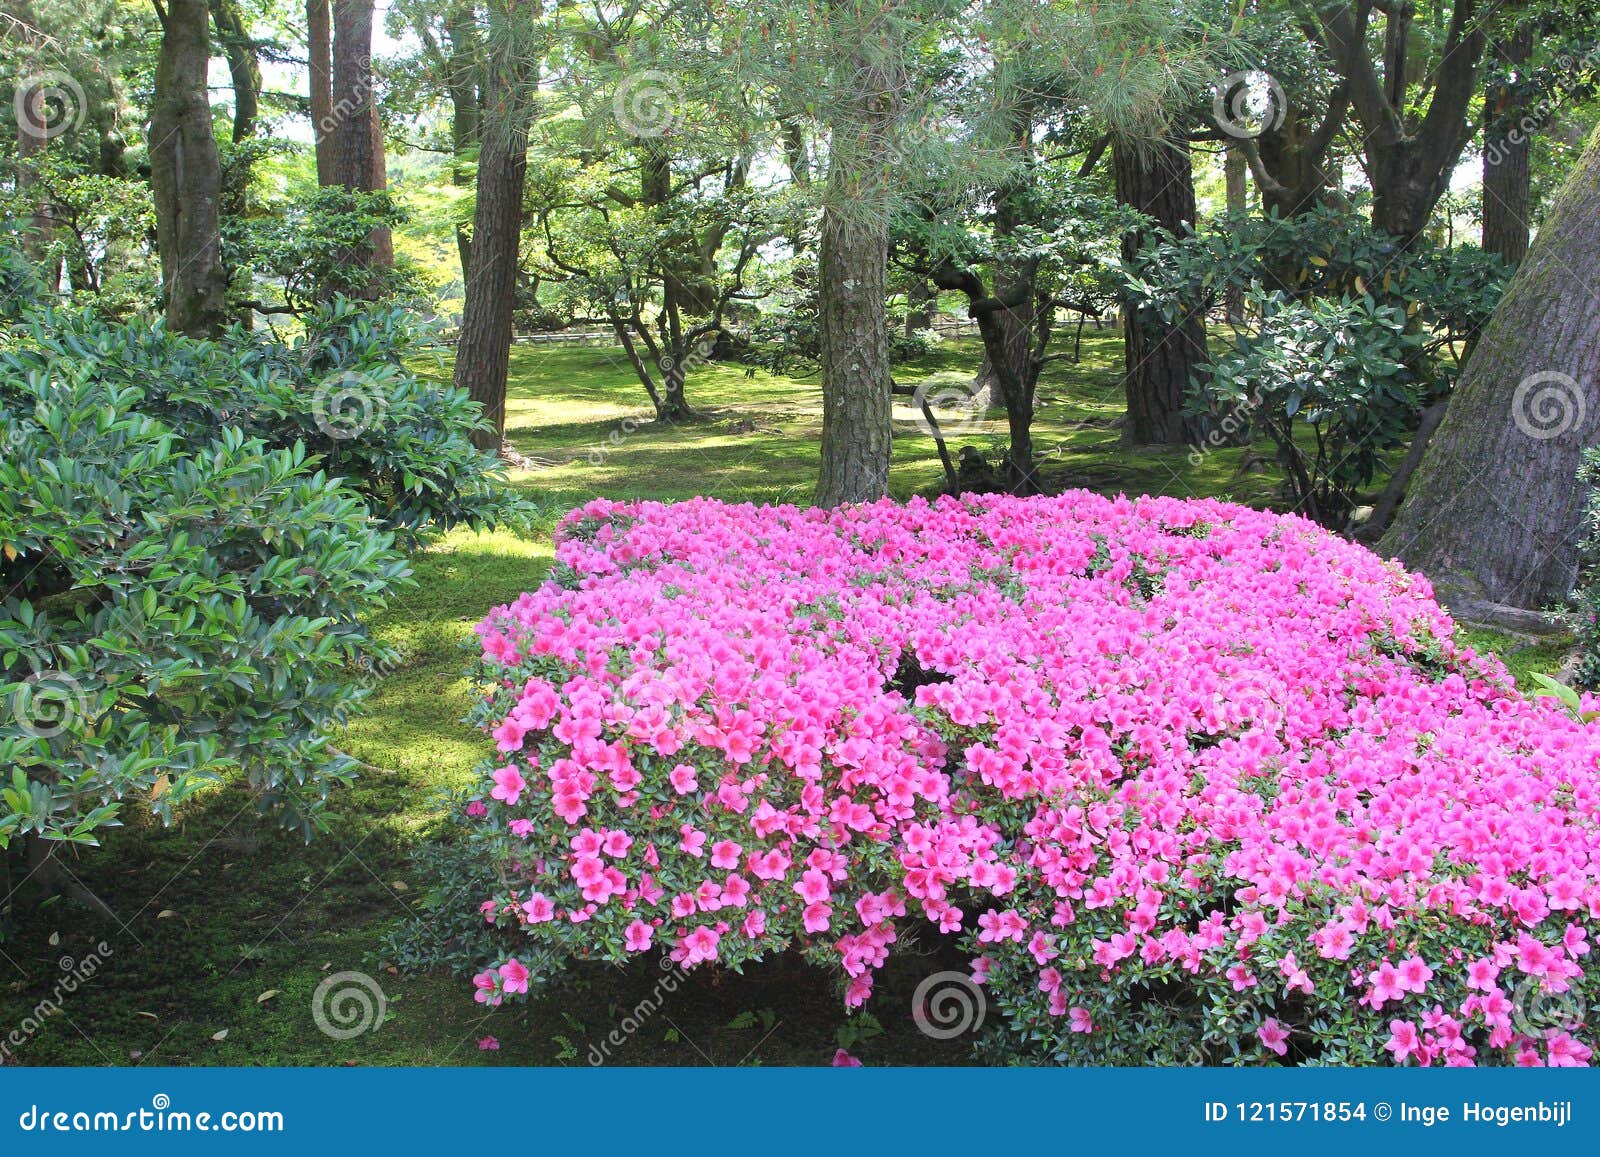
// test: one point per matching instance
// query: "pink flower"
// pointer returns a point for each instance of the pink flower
(1414, 974)
(514, 976)
(487, 988)
(1080, 1020)
(488, 1044)
(1403, 1040)
(682, 779)
(638, 936)
(1274, 1036)
(725, 854)
(843, 1060)
(699, 946)
(508, 784)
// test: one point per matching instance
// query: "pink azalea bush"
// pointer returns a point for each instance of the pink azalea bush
(1194, 783)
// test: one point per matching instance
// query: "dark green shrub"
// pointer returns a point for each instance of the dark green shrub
(192, 536)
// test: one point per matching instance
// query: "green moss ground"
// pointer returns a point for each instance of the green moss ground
(227, 926)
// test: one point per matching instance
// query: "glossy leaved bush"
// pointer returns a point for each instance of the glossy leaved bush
(1193, 782)
(192, 535)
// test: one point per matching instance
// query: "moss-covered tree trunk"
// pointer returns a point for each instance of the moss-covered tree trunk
(186, 174)
(1160, 357)
(1493, 513)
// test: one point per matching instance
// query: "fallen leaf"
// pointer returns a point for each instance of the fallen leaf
(164, 913)
(222, 1035)
(268, 995)
(55, 938)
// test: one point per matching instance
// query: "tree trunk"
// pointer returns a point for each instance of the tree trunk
(853, 277)
(31, 145)
(1506, 144)
(919, 306)
(1160, 359)
(1493, 514)
(1410, 155)
(483, 353)
(466, 114)
(244, 73)
(319, 52)
(857, 425)
(1234, 173)
(356, 137)
(1293, 175)
(186, 175)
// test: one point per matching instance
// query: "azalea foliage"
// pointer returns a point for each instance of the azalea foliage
(1193, 782)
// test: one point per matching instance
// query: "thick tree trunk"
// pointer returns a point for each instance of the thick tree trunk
(319, 52)
(1293, 172)
(186, 175)
(1410, 157)
(1506, 145)
(1493, 514)
(355, 136)
(483, 352)
(853, 276)
(1158, 181)
(857, 423)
